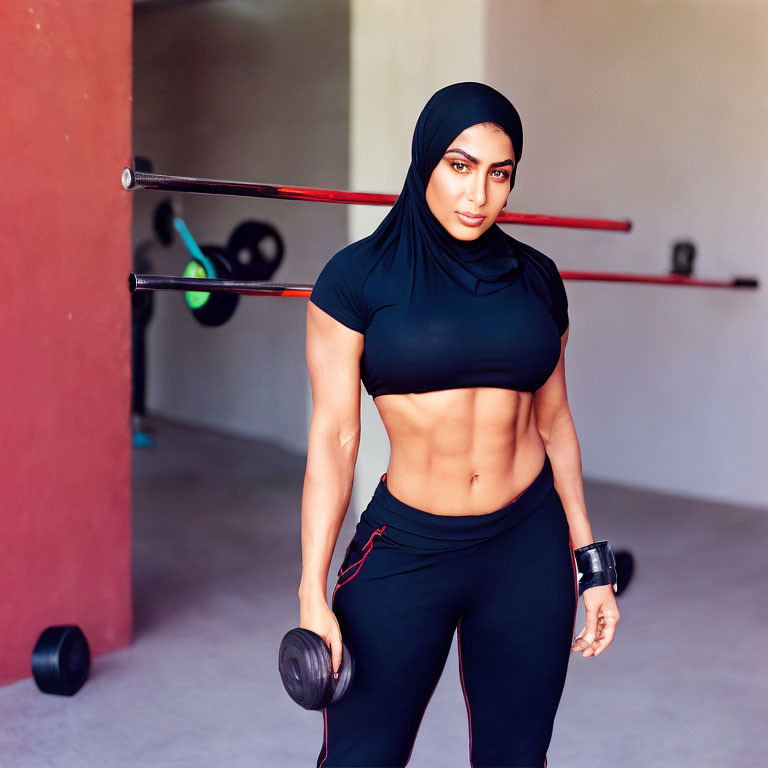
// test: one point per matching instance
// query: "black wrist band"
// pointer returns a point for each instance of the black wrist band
(596, 565)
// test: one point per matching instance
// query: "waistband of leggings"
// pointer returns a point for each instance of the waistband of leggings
(405, 522)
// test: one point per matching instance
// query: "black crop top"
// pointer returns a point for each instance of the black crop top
(424, 333)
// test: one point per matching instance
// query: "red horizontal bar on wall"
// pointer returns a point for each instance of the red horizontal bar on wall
(250, 288)
(132, 179)
(671, 279)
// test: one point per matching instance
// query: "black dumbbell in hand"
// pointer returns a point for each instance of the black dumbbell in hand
(306, 669)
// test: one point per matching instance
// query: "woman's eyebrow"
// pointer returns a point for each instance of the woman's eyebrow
(475, 160)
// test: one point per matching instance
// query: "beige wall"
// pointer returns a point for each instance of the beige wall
(654, 111)
(254, 91)
(401, 53)
(647, 110)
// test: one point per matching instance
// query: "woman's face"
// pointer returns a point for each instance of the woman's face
(472, 178)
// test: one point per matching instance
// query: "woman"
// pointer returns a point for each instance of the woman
(458, 332)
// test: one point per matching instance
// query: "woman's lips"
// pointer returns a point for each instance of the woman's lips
(470, 221)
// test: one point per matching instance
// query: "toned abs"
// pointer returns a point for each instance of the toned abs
(463, 451)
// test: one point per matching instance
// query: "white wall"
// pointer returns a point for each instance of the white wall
(649, 110)
(401, 53)
(654, 111)
(254, 90)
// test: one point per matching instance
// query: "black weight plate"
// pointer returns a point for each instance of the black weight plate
(305, 665)
(625, 566)
(61, 660)
(221, 306)
(257, 249)
(346, 673)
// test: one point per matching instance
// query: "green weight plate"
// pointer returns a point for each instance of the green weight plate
(196, 299)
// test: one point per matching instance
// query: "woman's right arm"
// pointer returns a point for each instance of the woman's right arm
(333, 359)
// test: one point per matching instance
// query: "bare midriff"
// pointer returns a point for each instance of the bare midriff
(466, 451)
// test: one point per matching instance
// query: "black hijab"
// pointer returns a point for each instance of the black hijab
(481, 266)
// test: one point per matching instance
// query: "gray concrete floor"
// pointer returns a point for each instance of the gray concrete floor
(216, 569)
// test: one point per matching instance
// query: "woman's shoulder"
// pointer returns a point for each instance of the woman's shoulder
(339, 288)
(359, 255)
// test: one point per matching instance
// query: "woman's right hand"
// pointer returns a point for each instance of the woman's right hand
(316, 615)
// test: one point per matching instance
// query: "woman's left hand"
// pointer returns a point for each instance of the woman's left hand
(602, 618)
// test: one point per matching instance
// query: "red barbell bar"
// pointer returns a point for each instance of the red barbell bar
(133, 179)
(253, 288)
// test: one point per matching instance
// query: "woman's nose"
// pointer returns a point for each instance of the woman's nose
(476, 193)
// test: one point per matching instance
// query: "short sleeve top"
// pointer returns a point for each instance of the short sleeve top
(423, 333)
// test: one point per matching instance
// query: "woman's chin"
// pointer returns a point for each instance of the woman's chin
(466, 233)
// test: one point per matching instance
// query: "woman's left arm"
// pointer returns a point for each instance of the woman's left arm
(555, 425)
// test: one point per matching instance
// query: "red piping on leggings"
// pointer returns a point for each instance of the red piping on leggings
(325, 739)
(464, 690)
(366, 551)
(359, 564)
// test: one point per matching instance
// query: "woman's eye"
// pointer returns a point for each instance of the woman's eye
(502, 174)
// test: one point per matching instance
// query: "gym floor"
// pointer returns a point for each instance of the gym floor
(216, 570)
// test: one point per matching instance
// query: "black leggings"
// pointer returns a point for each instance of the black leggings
(505, 581)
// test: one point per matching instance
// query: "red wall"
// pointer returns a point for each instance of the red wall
(65, 249)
